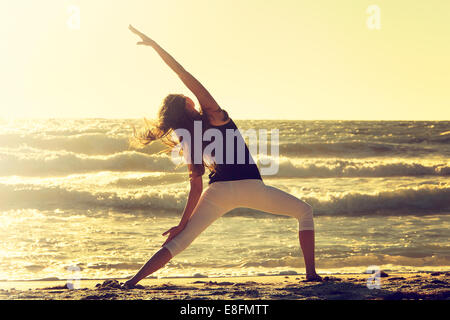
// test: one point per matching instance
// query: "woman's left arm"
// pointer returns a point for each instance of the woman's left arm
(207, 102)
(194, 195)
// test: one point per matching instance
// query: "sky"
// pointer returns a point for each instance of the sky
(272, 59)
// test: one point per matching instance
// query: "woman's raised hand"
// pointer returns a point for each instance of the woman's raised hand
(145, 40)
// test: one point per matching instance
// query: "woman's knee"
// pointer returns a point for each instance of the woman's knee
(306, 218)
(173, 247)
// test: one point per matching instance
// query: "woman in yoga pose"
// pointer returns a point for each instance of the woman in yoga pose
(231, 184)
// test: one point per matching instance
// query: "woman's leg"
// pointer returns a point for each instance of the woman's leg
(257, 195)
(155, 263)
(307, 243)
(213, 203)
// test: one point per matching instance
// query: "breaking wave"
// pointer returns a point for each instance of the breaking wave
(34, 162)
(65, 163)
(405, 201)
(368, 168)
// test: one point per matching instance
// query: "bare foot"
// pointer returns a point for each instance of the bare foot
(129, 285)
(313, 278)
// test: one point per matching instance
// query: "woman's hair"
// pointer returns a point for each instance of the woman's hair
(172, 115)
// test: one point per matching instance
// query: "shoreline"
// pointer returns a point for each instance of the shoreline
(414, 285)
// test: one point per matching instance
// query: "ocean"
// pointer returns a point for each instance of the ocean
(77, 202)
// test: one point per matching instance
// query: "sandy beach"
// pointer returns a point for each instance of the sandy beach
(427, 286)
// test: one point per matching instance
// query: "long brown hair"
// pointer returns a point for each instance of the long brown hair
(172, 115)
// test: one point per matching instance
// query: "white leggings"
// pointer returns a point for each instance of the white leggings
(223, 196)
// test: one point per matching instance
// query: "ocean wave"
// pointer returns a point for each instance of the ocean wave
(86, 144)
(27, 161)
(297, 138)
(357, 149)
(160, 180)
(320, 168)
(406, 201)
(40, 163)
(57, 197)
(403, 201)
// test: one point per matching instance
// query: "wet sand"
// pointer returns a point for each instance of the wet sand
(397, 286)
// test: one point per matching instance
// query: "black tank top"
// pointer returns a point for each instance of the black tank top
(237, 169)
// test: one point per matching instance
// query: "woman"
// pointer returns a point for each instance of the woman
(231, 185)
